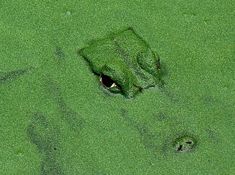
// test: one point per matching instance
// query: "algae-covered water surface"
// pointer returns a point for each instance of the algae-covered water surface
(116, 87)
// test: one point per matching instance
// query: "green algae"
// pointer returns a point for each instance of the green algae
(46, 137)
(195, 41)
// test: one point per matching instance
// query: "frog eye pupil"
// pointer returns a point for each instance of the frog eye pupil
(107, 81)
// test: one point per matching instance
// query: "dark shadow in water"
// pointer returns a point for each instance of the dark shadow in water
(45, 136)
(59, 53)
(71, 117)
(10, 76)
(147, 137)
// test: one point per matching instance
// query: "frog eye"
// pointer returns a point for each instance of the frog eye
(109, 83)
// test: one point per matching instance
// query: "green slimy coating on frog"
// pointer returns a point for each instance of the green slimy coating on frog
(127, 59)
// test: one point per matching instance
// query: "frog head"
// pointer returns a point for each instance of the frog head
(123, 62)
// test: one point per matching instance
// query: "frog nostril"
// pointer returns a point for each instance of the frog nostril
(107, 81)
(179, 148)
(158, 64)
(189, 142)
(184, 144)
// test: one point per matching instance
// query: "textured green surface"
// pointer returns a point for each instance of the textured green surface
(127, 59)
(56, 119)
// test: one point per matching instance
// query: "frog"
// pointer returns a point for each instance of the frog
(123, 62)
(50, 98)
